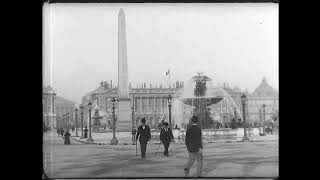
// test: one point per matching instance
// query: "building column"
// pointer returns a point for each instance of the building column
(53, 110)
(154, 104)
(161, 107)
(97, 101)
(106, 104)
(221, 106)
(141, 105)
(148, 104)
(54, 123)
(227, 105)
(45, 104)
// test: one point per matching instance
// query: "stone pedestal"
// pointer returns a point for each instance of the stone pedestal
(124, 122)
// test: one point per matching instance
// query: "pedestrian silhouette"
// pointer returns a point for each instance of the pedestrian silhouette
(144, 136)
(67, 137)
(85, 132)
(166, 137)
(194, 146)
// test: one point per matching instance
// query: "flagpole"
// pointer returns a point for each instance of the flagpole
(169, 80)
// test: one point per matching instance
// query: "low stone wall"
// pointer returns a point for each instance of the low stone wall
(210, 134)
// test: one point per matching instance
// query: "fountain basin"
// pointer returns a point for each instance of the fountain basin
(212, 134)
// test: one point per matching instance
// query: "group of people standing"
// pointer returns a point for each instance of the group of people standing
(193, 142)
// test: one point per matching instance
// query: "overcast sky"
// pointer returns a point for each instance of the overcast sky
(233, 43)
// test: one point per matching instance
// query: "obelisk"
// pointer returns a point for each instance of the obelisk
(123, 123)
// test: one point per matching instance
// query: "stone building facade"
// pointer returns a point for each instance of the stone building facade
(54, 107)
(62, 107)
(48, 107)
(264, 94)
(152, 103)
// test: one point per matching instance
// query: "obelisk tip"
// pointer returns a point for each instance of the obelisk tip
(121, 12)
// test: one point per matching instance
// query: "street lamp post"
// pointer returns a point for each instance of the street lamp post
(133, 124)
(90, 137)
(67, 116)
(81, 110)
(235, 112)
(114, 140)
(169, 105)
(76, 113)
(155, 117)
(243, 98)
(264, 117)
(260, 115)
(132, 113)
(132, 116)
(65, 120)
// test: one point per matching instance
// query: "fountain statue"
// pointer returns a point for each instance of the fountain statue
(201, 102)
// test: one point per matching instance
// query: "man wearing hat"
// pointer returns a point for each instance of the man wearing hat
(165, 137)
(144, 136)
(194, 146)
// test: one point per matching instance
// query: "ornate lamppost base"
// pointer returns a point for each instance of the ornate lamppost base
(90, 139)
(245, 139)
(114, 141)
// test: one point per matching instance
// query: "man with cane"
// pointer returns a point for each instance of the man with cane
(144, 136)
(166, 137)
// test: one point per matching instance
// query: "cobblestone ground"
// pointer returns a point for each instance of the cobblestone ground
(237, 159)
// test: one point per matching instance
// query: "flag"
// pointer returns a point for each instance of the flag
(167, 73)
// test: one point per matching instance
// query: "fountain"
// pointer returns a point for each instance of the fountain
(213, 105)
(96, 127)
(200, 102)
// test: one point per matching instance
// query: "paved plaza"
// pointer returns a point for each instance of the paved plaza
(79, 160)
(126, 138)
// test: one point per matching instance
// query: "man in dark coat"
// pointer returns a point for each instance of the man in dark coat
(85, 132)
(144, 136)
(165, 137)
(194, 146)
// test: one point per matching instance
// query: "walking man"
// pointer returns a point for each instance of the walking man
(144, 136)
(165, 137)
(194, 147)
